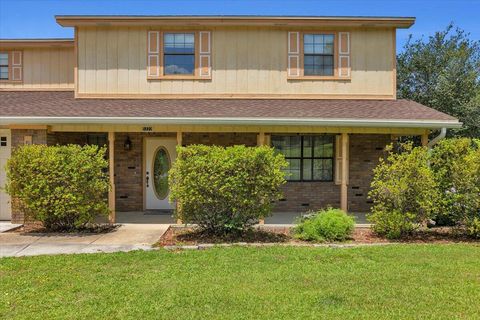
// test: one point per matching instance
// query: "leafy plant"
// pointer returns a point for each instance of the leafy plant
(404, 192)
(456, 164)
(325, 225)
(62, 186)
(225, 189)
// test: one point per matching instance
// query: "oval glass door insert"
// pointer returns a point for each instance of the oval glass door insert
(161, 165)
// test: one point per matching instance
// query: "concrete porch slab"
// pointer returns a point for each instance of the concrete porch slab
(8, 226)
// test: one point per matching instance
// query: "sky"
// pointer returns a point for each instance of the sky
(35, 18)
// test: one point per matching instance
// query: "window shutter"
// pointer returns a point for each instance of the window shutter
(205, 54)
(293, 54)
(344, 54)
(17, 65)
(153, 59)
(338, 160)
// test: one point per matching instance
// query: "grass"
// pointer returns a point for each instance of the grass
(439, 281)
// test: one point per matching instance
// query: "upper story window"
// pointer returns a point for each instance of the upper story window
(3, 65)
(179, 53)
(318, 50)
(11, 66)
(310, 157)
(318, 56)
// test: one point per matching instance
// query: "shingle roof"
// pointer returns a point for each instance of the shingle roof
(63, 104)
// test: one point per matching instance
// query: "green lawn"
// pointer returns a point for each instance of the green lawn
(390, 282)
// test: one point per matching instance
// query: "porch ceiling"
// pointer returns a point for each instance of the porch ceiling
(62, 107)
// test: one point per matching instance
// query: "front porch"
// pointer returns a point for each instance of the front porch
(131, 162)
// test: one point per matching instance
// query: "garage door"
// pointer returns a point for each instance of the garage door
(5, 150)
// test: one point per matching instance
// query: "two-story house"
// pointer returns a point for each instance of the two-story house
(321, 90)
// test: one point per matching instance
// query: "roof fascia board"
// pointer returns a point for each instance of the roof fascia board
(35, 43)
(397, 22)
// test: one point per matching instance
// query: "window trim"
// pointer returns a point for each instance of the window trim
(301, 158)
(301, 56)
(195, 76)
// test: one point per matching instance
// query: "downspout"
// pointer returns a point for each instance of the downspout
(442, 135)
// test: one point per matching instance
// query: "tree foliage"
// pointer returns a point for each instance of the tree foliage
(456, 165)
(225, 189)
(443, 72)
(62, 186)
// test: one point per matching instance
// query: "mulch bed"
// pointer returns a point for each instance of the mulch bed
(37, 227)
(185, 236)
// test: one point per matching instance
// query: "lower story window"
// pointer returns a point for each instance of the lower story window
(310, 157)
(97, 139)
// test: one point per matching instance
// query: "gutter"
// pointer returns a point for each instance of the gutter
(434, 141)
(431, 124)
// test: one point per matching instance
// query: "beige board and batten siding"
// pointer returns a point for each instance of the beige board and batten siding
(45, 69)
(245, 61)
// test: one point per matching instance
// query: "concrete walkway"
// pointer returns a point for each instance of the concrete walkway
(126, 238)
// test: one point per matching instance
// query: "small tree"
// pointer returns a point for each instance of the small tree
(404, 192)
(225, 189)
(62, 186)
(443, 72)
(456, 164)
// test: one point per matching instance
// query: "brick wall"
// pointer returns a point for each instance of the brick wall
(304, 196)
(220, 139)
(38, 136)
(365, 150)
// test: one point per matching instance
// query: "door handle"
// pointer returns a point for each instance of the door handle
(147, 178)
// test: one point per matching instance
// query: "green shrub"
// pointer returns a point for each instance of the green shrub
(456, 164)
(62, 186)
(225, 189)
(404, 192)
(325, 225)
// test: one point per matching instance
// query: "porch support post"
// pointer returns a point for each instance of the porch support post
(261, 142)
(111, 173)
(344, 188)
(179, 143)
(425, 139)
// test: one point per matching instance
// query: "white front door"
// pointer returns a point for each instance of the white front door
(160, 153)
(5, 150)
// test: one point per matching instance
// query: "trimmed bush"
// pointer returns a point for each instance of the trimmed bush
(456, 165)
(404, 192)
(64, 187)
(225, 189)
(325, 225)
